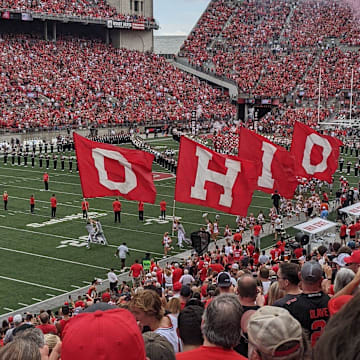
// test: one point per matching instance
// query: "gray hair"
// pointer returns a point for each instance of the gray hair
(343, 277)
(20, 348)
(221, 321)
(33, 334)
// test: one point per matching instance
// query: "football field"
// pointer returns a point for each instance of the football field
(42, 258)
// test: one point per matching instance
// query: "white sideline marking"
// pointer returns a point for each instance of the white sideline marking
(69, 238)
(36, 299)
(53, 258)
(8, 309)
(22, 304)
(86, 282)
(31, 283)
(51, 295)
(76, 287)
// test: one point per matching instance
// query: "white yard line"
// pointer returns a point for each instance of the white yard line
(32, 284)
(53, 258)
(22, 304)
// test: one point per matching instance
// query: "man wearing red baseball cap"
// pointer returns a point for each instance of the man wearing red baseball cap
(353, 261)
(103, 335)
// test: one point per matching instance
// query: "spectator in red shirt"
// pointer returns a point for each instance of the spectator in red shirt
(237, 237)
(353, 229)
(177, 273)
(162, 209)
(216, 267)
(251, 249)
(257, 230)
(53, 203)
(298, 252)
(136, 271)
(65, 311)
(45, 326)
(117, 209)
(220, 329)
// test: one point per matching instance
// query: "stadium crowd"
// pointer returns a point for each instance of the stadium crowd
(81, 8)
(276, 48)
(79, 83)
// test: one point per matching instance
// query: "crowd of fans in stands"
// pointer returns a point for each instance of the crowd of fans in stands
(79, 83)
(82, 8)
(269, 49)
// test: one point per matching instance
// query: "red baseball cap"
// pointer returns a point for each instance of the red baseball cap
(105, 297)
(10, 319)
(354, 258)
(102, 335)
(335, 304)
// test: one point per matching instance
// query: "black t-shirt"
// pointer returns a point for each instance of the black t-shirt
(242, 348)
(285, 300)
(311, 310)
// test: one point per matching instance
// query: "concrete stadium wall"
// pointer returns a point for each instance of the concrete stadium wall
(133, 39)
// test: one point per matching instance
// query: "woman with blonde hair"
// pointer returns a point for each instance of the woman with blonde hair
(173, 306)
(274, 293)
(147, 308)
(168, 279)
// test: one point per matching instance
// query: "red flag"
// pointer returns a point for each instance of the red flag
(207, 178)
(316, 155)
(107, 170)
(275, 166)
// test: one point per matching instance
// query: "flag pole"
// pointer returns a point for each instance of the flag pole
(172, 231)
(351, 94)
(319, 102)
(86, 209)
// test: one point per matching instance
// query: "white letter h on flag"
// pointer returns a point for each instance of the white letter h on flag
(203, 174)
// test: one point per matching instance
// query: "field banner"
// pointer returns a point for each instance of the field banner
(107, 170)
(275, 166)
(205, 177)
(316, 155)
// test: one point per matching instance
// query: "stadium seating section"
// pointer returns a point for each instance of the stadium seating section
(83, 8)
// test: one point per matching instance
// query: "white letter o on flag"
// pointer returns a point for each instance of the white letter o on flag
(130, 182)
(312, 140)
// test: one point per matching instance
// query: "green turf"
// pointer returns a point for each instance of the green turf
(29, 256)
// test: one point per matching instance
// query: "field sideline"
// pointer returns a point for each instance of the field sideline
(41, 260)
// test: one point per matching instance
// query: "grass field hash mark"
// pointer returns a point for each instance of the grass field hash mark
(52, 258)
(32, 284)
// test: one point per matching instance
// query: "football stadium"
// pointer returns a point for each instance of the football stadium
(189, 204)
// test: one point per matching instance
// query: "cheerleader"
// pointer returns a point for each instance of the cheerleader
(215, 230)
(227, 232)
(261, 220)
(166, 243)
(251, 222)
